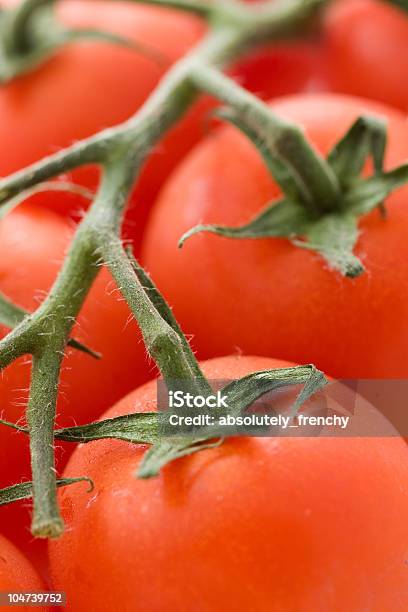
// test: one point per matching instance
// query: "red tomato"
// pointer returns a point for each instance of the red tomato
(281, 69)
(88, 86)
(366, 49)
(33, 242)
(257, 524)
(17, 574)
(269, 296)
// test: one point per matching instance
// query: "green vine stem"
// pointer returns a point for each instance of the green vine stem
(40, 417)
(316, 181)
(121, 151)
(173, 359)
(19, 34)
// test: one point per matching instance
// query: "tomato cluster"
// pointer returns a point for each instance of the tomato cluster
(259, 524)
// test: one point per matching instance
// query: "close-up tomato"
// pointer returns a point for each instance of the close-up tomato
(257, 524)
(113, 509)
(269, 296)
(366, 50)
(17, 574)
(281, 69)
(33, 242)
(80, 91)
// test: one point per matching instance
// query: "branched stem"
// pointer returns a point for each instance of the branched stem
(17, 343)
(120, 151)
(89, 151)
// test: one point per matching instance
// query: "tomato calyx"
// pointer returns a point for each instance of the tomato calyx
(240, 395)
(30, 34)
(332, 232)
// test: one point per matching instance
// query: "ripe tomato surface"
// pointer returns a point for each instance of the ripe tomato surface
(17, 574)
(33, 242)
(262, 524)
(282, 68)
(268, 296)
(91, 85)
(366, 50)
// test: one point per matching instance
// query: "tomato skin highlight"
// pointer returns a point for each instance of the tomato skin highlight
(366, 50)
(268, 296)
(33, 242)
(257, 524)
(17, 574)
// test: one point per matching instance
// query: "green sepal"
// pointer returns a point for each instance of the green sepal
(366, 137)
(11, 315)
(167, 451)
(280, 172)
(137, 428)
(241, 394)
(284, 219)
(24, 490)
(365, 195)
(334, 237)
